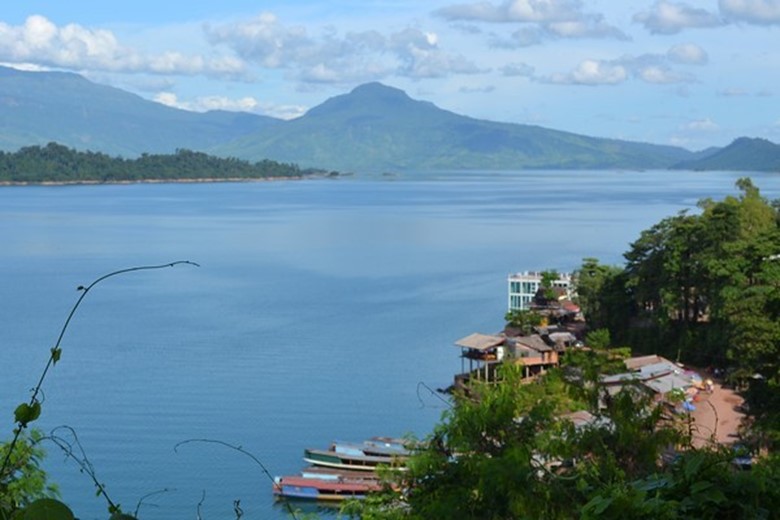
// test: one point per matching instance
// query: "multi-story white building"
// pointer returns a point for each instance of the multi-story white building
(524, 286)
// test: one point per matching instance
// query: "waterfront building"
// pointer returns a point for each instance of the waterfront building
(523, 288)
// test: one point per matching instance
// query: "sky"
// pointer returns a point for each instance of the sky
(695, 73)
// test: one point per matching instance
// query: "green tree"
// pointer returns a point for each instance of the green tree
(523, 320)
(24, 481)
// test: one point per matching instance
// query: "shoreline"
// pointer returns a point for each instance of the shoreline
(154, 181)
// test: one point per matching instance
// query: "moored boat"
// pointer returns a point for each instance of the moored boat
(371, 448)
(322, 489)
(325, 473)
(352, 461)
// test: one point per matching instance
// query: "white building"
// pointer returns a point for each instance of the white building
(524, 286)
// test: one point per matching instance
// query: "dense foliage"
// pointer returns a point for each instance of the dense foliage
(514, 453)
(23, 481)
(57, 163)
(703, 288)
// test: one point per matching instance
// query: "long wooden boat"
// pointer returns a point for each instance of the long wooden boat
(319, 489)
(325, 473)
(334, 459)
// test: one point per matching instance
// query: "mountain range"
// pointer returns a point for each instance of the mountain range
(373, 128)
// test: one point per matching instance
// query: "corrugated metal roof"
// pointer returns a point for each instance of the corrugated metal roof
(668, 383)
(636, 363)
(534, 341)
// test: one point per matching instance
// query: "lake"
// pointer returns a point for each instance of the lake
(322, 310)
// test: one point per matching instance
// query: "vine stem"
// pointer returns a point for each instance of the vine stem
(241, 450)
(55, 351)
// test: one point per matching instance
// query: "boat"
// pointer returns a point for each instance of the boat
(323, 489)
(371, 448)
(325, 473)
(351, 460)
(392, 442)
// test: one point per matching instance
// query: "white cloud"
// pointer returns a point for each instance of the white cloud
(264, 40)
(28, 67)
(687, 54)
(170, 99)
(650, 68)
(244, 104)
(670, 17)
(548, 19)
(761, 12)
(330, 58)
(701, 125)
(587, 27)
(72, 46)
(538, 11)
(477, 90)
(592, 72)
(659, 74)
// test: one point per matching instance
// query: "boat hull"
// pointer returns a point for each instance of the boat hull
(333, 459)
(304, 488)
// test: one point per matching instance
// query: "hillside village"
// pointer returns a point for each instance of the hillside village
(561, 329)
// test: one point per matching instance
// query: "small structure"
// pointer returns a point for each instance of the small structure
(657, 375)
(523, 288)
(533, 353)
(485, 353)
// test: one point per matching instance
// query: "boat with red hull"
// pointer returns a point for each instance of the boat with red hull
(323, 489)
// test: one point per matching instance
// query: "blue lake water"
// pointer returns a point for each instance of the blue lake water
(322, 310)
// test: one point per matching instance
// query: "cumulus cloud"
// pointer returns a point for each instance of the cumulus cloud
(331, 58)
(538, 11)
(761, 12)
(72, 46)
(671, 17)
(650, 68)
(244, 104)
(592, 72)
(659, 74)
(687, 54)
(590, 26)
(544, 19)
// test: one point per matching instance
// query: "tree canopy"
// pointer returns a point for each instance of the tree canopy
(57, 163)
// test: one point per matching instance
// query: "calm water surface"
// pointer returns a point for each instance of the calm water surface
(322, 310)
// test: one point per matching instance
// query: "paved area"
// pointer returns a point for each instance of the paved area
(716, 418)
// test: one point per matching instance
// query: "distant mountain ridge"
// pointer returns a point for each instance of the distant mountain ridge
(41, 107)
(376, 127)
(743, 154)
(373, 128)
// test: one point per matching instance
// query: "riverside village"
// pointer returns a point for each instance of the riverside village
(544, 325)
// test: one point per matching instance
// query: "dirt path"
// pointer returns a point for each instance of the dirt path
(716, 417)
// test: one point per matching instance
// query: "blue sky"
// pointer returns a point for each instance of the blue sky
(695, 73)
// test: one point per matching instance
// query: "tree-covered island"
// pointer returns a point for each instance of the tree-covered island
(55, 163)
